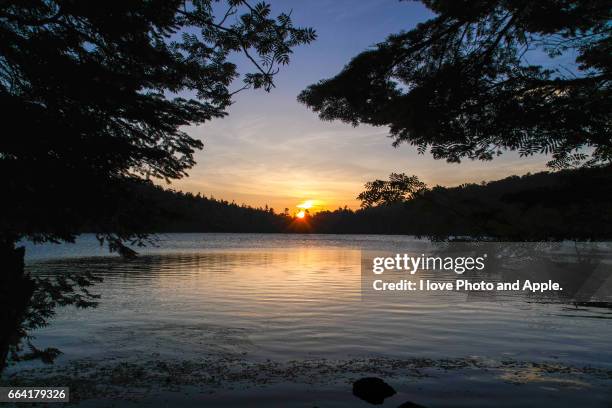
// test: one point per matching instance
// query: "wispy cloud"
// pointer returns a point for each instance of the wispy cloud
(272, 150)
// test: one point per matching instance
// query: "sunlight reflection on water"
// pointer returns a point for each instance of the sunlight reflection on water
(286, 297)
(294, 297)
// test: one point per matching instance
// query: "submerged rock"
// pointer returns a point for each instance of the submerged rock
(372, 390)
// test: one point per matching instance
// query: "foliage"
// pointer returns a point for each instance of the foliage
(400, 187)
(185, 212)
(462, 84)
(565, 205)
(95, 94)
(570, 204)
(49, 293)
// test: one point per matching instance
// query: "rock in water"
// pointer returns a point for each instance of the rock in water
(372, 390)
(410, 404)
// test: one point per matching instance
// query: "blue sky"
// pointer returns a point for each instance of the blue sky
(273, 150)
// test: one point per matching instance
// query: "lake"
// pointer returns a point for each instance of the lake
(281, 320)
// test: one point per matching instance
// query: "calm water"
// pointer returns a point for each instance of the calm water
(280, 320)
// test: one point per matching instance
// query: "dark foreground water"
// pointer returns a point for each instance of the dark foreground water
(280, 320)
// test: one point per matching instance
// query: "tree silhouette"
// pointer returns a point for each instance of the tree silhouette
(96, 95)
(571, 204)
(462, 85)
(49, 293)
(397, 189)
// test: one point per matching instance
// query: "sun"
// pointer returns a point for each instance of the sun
(307, 208)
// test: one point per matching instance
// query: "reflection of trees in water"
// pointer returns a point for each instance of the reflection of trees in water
(583, 271)
(36, 297)
(67, 289)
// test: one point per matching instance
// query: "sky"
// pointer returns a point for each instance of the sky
(272, 150)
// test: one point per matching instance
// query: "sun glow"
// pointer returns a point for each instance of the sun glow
(301, 214)
(306, 204)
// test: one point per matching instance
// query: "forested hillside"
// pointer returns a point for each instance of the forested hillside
(570, 204)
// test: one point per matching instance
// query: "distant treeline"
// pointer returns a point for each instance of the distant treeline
(569, 204)
(176, 211)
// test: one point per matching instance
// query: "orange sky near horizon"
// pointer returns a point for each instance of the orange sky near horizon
(322, 161)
